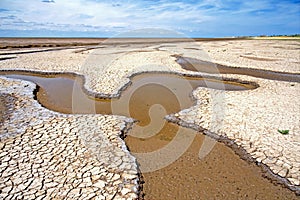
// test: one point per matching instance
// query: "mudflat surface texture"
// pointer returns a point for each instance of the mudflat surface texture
(149, 118)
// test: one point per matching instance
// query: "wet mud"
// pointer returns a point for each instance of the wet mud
(222, 174)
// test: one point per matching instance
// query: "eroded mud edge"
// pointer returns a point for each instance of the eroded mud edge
(239, 150)
(10, 99)
(82, 79)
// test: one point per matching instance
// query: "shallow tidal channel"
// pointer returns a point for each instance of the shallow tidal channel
(222, 174)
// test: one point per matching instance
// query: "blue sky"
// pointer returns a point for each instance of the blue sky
(122, 18)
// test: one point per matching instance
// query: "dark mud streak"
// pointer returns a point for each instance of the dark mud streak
(190, 48)
(39, 51)
(214, 68)
(259, 58)
(7, 58)
(88, 49)
(42, 45)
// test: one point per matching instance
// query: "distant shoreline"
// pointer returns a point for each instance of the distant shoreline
(37, 42)
(26, 42)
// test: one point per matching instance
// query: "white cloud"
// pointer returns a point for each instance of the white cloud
(98, 14)
(118, 16)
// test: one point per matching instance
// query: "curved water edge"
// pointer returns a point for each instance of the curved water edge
(73, 83)
(236, 148)
(240, 151)
(82, 79)
(197, 65)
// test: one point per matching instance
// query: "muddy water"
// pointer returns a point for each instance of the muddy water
(141, 95)
(220, 175)
(193, 64)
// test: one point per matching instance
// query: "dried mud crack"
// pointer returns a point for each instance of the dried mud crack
(263, 80)
(162, 139)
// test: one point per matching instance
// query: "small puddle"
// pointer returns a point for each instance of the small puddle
(220, 175)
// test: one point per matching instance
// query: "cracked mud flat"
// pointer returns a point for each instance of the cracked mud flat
(261, 83)
(222, 173)
(2, 109)
(45, 154)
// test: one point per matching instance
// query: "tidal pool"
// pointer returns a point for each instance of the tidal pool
(222, 174)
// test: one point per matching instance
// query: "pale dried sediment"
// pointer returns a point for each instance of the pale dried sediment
(50, 155)
(251, 118)
(275, 55)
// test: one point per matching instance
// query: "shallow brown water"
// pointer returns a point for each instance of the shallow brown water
(71, 98)
(193, 64)
(220, 175)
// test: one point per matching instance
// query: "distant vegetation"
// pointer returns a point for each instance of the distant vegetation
(278, 37)
(294, 35)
